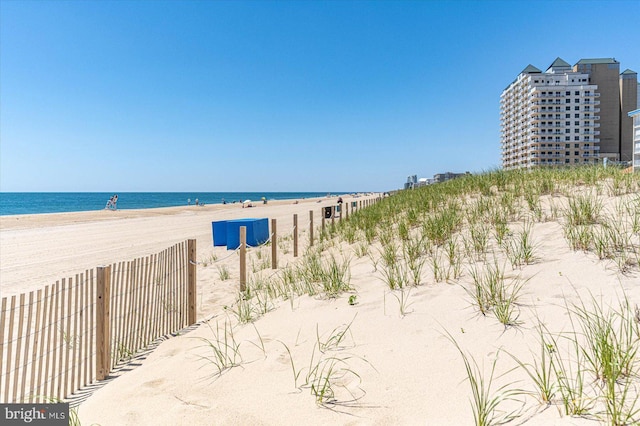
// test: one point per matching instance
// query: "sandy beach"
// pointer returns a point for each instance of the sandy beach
(389, 354)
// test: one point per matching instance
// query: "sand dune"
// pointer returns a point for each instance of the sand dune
(388, 355)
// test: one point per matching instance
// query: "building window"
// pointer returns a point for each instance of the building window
(568, 93)
(567, 108)
(576, 145)
(576, 152)
(576, 123)
(567, 116)
(567, 123)
(576, 116)
(577, 93)
(577, 108)
(567, 101)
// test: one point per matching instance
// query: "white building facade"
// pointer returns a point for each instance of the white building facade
(635, 115)
(550, 118)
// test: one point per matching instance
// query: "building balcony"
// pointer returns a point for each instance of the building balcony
(591, 148)
(590, 132)
(588, 155)
(590, 102)
(549, 102)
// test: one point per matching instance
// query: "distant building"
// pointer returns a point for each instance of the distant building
(568, 115)
(443, 177)
(412, 180)
(635, 116)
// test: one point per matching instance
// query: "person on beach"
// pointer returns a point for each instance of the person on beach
(111, 204)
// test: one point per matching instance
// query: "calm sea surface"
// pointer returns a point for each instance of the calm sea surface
(58, 202)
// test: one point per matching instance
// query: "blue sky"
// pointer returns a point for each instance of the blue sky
(274, 95)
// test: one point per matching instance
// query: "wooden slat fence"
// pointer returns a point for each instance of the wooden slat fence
(46, 340)
(148, 300)
(49, 338)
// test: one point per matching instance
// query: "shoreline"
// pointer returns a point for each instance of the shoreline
(39, 249)
(151, 200)
(23, 221)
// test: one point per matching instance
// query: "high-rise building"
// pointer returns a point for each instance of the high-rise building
(568, 115)
(635, 116)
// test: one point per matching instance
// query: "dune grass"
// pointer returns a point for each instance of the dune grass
(482, 228)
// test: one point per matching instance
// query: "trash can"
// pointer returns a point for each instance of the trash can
(328, 212)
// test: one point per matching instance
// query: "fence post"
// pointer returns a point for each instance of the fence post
(346, 210)
(103, 321)
(310, 227)
(333, 215)
(243, 258)
(323, 220)
(295, 235)
(274, 245)
(191, 282)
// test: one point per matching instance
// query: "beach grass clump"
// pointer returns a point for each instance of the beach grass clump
(540, 371)
(413, 250)
(393, 268)
(487, 396)
(591, 369)
(492, 292)
(402, 297)
(209, 259)
(326, 274)
(243, 308)
(336, 276)
(439, 227)
(223, 272)
(583, 209)
(520, 248)
(477, 242)
(223, 347)
(330, 376)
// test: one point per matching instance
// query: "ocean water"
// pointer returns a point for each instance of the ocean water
(12, 203)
